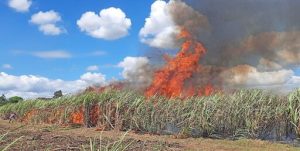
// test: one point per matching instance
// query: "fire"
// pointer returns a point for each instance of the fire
(77, 117)
(171, 80)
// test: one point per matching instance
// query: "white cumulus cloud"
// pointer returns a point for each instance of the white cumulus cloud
(165, 21)
(159, 29)
(47, 22)
(50, 29)
(20, 5)
(31, 86)
(248, 76)
(93, 78)
(110, 24)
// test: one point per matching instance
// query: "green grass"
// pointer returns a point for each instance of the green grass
(245, 113)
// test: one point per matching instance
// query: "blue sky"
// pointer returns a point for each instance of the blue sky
(17, 34)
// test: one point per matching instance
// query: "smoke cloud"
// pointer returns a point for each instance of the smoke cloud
(137, 71)
(250, 42)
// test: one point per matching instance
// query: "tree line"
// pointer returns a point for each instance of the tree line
(16, 99)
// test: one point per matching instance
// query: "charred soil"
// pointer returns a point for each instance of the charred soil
(50, 137)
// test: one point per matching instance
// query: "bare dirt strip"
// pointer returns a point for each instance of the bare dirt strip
(51, 137)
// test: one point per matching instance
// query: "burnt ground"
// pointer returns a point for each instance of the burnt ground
(57, 138)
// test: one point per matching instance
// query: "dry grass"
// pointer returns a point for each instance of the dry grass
(243, 114)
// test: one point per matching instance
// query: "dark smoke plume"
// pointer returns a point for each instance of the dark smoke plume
(247, 38)
(242, 32)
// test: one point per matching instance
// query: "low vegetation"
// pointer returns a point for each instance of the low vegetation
(14, 99)
(245, 113)
(118, 145)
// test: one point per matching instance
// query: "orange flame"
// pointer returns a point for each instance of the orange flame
(170, 80)
(77, 117)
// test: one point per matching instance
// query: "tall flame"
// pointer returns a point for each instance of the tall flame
(171, 80)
